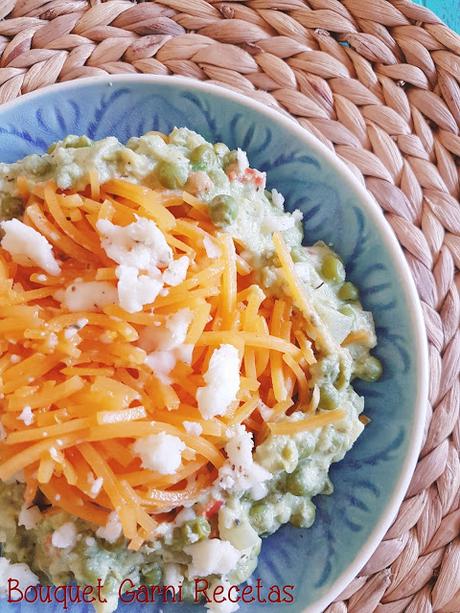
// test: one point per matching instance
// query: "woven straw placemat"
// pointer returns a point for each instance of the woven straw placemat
(377, 81)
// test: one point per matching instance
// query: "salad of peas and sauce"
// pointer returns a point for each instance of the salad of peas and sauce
(278, 484)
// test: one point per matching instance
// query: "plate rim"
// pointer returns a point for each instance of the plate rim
(396, 254)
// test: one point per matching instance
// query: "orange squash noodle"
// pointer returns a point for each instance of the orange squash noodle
(76, 389)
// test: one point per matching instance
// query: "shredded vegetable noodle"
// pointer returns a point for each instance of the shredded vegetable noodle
(90, 382)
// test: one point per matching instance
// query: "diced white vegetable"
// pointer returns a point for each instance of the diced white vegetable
(211, 556)
(173, 576)
(240, 534)
(339, 325)
(224, 603)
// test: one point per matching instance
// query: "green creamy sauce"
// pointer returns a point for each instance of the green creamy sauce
(238, 204)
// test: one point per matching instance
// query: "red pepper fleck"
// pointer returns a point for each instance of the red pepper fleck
(212, 508)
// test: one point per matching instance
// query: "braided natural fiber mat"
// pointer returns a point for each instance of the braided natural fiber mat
(388, 101)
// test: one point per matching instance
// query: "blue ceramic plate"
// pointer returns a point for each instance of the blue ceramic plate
(371, 481)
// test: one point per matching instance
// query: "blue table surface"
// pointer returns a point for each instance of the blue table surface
(447, 10)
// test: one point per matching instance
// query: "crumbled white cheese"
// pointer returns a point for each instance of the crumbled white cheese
(90, 541)
(87, 295)
(140, 244)
(242, 160)
(176, 271)
(28, 247)
(184, 353)
(71, 330)
(135, 289)
(193, 427)
(177, 325)
(20, 572)
(222, 382)
(162, 363)
(159, 452)
(259, 491)
(240, 472)
(169, 344)
(26, 415)
(170, 336)
(265, 411)
(223, 604)
(239, 447)
(65, 536)
(212, 249)
(173, 576)
(211, 556)
(277, 199)
(183, 516)
(29, 517)
(14, 358)
(111, 532)
(281, 222)
(95, 485)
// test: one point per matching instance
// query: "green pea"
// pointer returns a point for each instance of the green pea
(202, 157)
(188, 591)
(223, 210)
(77, 142)
(152, 574)
(328, 488)
(347, 310)
(332, 269)
(343, 378)
(371, 369)
(261, 517)
(328, 397)
(296, 482)
(10, 207)
(72, 142)
(220, 150)
(348, 291)
(41, 168)
(304, 515)
(196, 529)
(229, 158)
(172, 176)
